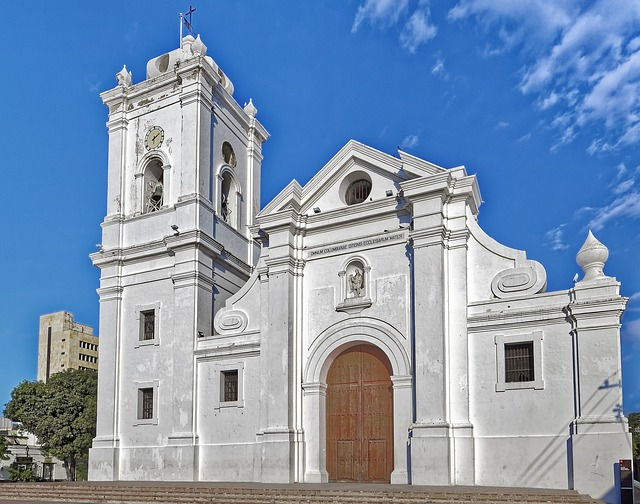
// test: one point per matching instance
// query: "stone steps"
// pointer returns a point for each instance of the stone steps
(167, 493)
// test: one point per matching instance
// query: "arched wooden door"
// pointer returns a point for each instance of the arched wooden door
(360, 416)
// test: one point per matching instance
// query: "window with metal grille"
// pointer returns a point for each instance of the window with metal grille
(149, 323)
(146, 401)
(518, 362)
(229, 385)
(358, 191)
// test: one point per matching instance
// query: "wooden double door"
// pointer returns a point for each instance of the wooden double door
(360, 416)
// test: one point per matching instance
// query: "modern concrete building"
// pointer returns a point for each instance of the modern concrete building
(360, 328)
(65, 344)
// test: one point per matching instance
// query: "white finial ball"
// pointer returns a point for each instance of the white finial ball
(124, 77)
(591, 258)
(250, 108)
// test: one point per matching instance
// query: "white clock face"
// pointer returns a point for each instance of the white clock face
(154, 138)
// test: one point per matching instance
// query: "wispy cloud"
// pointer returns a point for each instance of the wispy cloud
(555, 237)
(525, 138)
(417, 30)
(409, 141)
(634, 303)
(582, 56)
(416, 26)
(631, 330)
(501, 125)
(439, 70)
(382, 13)
(624, 206)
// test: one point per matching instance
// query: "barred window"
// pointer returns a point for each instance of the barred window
(358, 191)
(149, 322)
(518, 362)
(230, 385)
(146, 403)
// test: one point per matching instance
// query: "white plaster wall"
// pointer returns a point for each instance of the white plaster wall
(388, 289)
(521, 435)
(227, 434)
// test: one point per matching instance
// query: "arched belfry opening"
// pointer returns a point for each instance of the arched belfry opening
(153, 186)
(359, 416)
(229, 198)
(229, 155)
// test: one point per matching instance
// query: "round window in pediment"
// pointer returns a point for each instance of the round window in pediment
(358, 191)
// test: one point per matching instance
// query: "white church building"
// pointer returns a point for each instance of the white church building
(361, 327)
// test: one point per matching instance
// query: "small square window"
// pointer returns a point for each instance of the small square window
(229, 384)
(519, 361)
(145, 403)
(149, 325)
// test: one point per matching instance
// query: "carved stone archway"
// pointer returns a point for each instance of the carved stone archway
(324, 349)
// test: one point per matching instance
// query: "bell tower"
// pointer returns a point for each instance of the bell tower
(183, 190)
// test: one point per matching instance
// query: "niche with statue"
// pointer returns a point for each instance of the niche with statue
(355, 282)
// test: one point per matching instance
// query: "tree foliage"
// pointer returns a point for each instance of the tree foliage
(634, 428)
(4, 450)
(61, 413)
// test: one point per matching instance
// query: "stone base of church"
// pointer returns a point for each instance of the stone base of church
(274, 454)
(595, 462)
(103, 464)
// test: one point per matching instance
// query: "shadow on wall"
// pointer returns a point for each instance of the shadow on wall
(553, 452)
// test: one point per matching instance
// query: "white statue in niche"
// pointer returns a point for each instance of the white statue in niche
(356, 283)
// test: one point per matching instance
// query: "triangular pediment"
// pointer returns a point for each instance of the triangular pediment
(326, 189)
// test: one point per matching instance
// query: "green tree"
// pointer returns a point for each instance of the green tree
(634, 428)
(61, 413)
(4, 449)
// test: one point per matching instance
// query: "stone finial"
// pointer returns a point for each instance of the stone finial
(185, 45)
(591, 258)
(198, 48)
(250, 108)
(124, 77)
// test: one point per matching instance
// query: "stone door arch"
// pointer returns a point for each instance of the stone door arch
(326, 347)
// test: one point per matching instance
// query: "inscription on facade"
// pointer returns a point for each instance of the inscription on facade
(358, 244)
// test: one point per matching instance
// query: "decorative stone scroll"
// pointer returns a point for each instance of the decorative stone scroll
(530, 278)
(232, 321)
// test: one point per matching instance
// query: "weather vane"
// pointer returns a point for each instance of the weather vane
(187, 22)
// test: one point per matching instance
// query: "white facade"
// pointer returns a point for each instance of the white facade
(219, 324)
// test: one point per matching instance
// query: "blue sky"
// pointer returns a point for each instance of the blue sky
(539, 98)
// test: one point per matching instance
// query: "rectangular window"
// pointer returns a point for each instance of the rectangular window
(149, 324)
(146, 403)
(518, 362)
(229, 384)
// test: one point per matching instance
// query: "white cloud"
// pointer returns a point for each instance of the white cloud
(631, 330)
(549, 101)
(417, 30)
(501, 125)
(581, 55)
(439, 70)
(525, 138)
(556, 238)
(634, 302)
(625, 205)
(382, 13)
(409, 141)
(624, 186)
